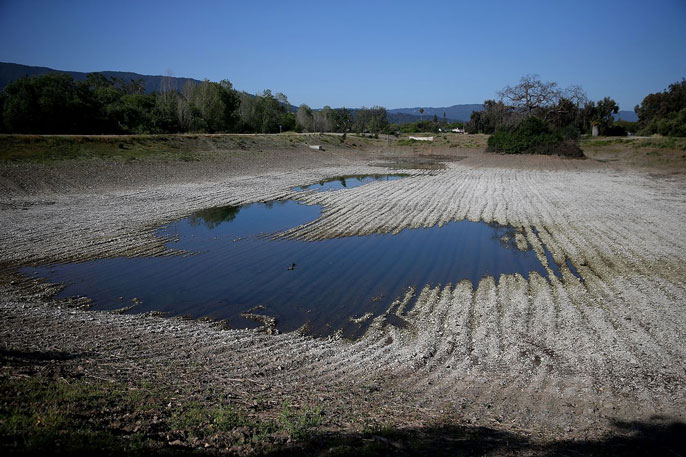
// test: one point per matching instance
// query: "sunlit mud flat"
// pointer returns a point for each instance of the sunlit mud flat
(234, 267)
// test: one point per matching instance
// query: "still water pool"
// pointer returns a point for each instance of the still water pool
(235, 266)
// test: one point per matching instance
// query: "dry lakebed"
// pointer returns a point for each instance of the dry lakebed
(580, 338)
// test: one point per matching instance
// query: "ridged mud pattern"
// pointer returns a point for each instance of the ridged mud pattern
(86, 225)
(617, 336)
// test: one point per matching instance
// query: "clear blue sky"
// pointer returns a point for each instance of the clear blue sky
(349, 53)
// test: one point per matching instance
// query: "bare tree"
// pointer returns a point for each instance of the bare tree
(530, 94)
(576, 95)
(567, 108)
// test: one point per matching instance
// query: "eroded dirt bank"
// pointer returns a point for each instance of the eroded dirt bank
(545, 357)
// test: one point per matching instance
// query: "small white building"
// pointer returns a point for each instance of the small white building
(457, 130)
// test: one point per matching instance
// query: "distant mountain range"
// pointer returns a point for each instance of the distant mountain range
(11, 72)
(452, 113)
(461, 113)
(626, 116)
(405, 118)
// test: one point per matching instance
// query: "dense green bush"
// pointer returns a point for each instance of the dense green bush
(418, 127)
(615, 130)
(51, 101)
(533, 136)
(672, 124)
(664, 112)
(625, 126)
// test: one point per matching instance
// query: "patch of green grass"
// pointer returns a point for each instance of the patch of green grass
(638, 143)
(34, 148)
(300, 424)
(199, 421)
(589, 141)
(471, 145)
(182, 147)
(60, 417)
(65, 417)
(662, 143)
(408, 142)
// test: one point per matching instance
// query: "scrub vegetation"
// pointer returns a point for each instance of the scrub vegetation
(69, 414)
(538, 117)
(533, 136)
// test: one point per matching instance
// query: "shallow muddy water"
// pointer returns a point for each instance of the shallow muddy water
(235, 265)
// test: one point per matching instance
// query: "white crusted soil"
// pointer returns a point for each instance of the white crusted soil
(540, 354)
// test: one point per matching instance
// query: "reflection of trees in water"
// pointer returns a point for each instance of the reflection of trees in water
(273, 203)
(504, 234)
(212, 217)
(361, 179)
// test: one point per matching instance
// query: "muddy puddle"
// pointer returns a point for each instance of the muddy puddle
(234, 268)
(237, 268)
(350, 181)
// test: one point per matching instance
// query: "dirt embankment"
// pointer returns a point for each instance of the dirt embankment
(546, 358)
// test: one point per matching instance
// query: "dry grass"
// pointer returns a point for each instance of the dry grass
(659, 153)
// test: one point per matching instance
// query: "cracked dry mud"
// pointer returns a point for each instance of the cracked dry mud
(548, 356)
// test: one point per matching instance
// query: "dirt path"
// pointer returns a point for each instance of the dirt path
(553, 357)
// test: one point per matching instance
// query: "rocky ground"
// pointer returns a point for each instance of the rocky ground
(505, 366)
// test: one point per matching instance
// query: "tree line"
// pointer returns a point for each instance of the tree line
(570, 112)
(372, 120)
(57, 104)
(434, 126)
(538, 117)
(567, 110)
(664, 112)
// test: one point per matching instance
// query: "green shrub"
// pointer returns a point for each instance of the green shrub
(673, 124)
(631, 127)
(534, 136)
(570, 132)
(664, 112)
(615, 130)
